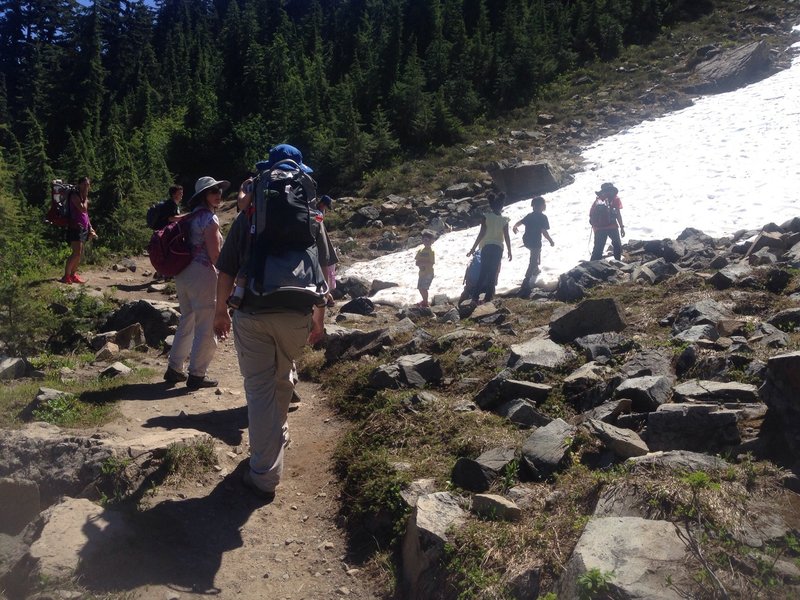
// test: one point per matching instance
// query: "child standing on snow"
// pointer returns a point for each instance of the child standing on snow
(425, 259)
(606, 221)
(494, 230)
(536, 226)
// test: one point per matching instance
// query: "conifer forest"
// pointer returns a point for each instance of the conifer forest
(139, 94)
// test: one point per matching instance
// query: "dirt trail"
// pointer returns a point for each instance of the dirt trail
(209, 535)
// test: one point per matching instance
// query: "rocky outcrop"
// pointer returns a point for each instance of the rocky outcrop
(781, 393)
(640, 556)
(527, 178)
(732, 69)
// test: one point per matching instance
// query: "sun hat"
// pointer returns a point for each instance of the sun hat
(202, 184)
(283, 152)
(607, 189)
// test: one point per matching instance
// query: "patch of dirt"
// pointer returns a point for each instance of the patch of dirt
(209, 535)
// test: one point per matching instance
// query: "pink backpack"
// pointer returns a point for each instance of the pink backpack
(170, 249)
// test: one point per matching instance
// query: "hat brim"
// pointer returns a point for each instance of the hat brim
(223, 184)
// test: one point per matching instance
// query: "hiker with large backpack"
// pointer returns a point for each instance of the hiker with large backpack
(196, 285)
(273, 246)
(606, 221)
(167, 211)
(79, 229)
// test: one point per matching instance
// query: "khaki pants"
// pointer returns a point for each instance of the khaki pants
(194, 338)
(266, 345)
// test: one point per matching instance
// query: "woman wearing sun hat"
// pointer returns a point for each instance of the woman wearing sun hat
(197, 288)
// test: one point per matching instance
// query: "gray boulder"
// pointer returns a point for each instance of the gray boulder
(649, 362)
(715, 391)
(424, 541)
(622, 442)
(732, 69)
(413, 370)
(679, 460)
(527, 178)
(19, 504)
(538, 353)
(642, 556)
(157, 319)
(696, 427)
(704, 312)
(781, 393)
(523, 413)
(13, 368)
(589, 385)
(479, 474)
(645, 393)
(546, 451)
(590, 316)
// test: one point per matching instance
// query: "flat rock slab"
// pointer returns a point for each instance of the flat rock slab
(623, 442)
(679, 460)
(538, 352)
(642, 555)
(74, 531)
(715, 391)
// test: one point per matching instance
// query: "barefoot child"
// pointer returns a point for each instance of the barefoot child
(425, 259)
(536, 226)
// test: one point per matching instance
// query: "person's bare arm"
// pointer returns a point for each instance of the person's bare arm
(211, 239)
(245, 196)
(547, 237)
(222, 320)
(317, 325)
(508, 240)
(481, 233)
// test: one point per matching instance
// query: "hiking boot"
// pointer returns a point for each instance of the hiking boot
(195, 383)
(247, 481)
(77, 278)
(173, 376)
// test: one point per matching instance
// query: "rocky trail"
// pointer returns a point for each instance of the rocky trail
(207, 535)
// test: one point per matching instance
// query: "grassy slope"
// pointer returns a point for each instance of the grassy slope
(389, 431)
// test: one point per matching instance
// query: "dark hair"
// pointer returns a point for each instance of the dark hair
(173, 189)
(497, 201)
(537, 201)
(197, 199)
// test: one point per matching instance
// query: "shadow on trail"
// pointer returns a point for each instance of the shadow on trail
(136, 391)
(177, 543)
(139, 287)
(225, 425)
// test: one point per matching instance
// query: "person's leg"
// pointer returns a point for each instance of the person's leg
(330, 276)
(491, 255)
(203, 297)
(616, 243)
(266, 345)
(533, 268)
(599, 244)
(182, 341)
(74, 259)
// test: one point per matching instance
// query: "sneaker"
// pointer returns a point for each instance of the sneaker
(77, 278)
(193, 382)
(66, 279)
(173, 376)
(247, 481)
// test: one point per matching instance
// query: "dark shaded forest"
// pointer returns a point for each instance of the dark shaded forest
(138, 95)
